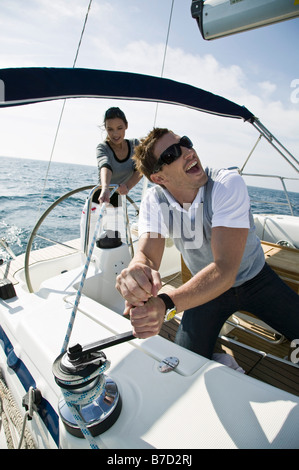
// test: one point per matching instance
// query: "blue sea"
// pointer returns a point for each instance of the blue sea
(29, 187)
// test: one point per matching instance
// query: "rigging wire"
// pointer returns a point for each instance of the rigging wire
(145, 183)
(74, 64)
(164, 57)
(62, 109)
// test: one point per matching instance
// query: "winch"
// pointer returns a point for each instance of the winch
(91, 401)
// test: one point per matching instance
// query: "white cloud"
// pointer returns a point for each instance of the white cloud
(46, 33)
(267, 88)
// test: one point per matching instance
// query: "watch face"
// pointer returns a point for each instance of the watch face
(170, 314)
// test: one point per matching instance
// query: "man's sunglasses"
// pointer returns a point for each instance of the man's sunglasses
(172, 153)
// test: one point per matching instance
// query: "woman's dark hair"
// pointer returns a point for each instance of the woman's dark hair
(113, 113)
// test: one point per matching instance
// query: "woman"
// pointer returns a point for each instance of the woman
(115, 164)
(114, 158)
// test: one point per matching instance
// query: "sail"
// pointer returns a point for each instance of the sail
(20, 86)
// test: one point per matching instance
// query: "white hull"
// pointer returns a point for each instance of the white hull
(281, 229)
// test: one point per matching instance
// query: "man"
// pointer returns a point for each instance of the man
(219, 246)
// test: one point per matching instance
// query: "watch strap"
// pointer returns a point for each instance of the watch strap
(167, 301)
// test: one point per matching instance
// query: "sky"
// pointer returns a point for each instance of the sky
(258, 69)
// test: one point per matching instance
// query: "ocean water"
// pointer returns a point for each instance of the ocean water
(28, 188)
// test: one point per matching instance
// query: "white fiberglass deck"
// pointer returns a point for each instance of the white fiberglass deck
(201, 404)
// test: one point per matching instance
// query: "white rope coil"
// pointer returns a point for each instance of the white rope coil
(76, 400)
(88, 396)
(12, 420)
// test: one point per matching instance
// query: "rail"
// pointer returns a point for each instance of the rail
(282, 180)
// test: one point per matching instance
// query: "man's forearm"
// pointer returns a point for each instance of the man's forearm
(217, 277)
(141, 258)
(206, 285)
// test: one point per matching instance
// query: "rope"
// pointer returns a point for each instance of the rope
(84, 273)
(83, 277)
(76, 400)
(13, 420)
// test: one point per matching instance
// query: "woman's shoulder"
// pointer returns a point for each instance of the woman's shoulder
(103, 150)
(103, 145)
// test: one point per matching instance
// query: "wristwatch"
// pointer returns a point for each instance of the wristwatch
(170, 307)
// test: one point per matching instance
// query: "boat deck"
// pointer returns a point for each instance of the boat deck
(9, 270)
(259, 357)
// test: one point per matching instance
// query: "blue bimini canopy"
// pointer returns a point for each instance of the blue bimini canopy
(19, 86)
